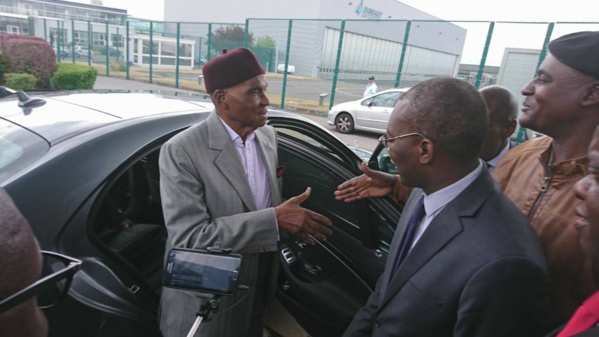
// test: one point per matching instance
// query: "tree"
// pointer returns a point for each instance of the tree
(266, 42)
(230, 37)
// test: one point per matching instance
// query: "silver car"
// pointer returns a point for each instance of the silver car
(367, 114)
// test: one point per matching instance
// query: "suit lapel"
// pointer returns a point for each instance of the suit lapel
(227, 160)
(445, 226)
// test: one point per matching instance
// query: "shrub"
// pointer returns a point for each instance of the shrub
(20, 81)
(3, 67)
(70, 76)
(31, 55)
(118, 66)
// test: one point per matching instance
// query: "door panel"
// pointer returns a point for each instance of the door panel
(323, 286)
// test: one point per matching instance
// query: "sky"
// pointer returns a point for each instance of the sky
(504, 35)
(498, 10)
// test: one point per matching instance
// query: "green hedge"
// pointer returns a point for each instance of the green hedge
(20, 81)
(71, 76)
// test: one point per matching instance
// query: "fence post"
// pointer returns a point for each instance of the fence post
(337, 61)
(72, 39)
(403, 53)
(545, 43)
(246, 33)
(208, 56)
(127, 56)
(151, 48)
(483, 59)
(31, 24)
(106, 39)
(89, 42)
(177, 53)
(284, 89)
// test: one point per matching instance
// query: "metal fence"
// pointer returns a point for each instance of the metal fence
(327, 61)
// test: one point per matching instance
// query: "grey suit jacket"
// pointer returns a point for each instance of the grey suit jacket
(206, 198)
(477, 270)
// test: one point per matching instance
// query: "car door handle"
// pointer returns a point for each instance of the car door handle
(311, 268)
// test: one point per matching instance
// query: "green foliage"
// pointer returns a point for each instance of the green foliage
(265, 42)
(20, 81)
(31, 55)
(230, 37)
(71, 76)
(4, 66)
(118, 66)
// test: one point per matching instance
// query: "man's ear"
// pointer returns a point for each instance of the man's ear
(509, 128)
(591, 97)
(219, 98)
(427, 151)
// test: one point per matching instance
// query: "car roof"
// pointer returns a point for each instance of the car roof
(71, 113)
(403, 89)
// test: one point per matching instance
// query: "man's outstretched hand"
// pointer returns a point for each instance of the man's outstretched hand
(303, 222)
(370, 184)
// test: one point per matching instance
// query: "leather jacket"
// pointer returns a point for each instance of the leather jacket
(545, 194)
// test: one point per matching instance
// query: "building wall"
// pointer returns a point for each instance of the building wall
(518, 67)
(236, 11)
(374, 33)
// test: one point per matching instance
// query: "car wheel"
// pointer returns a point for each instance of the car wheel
(344, 123)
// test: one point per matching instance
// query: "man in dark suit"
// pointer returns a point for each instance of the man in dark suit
(219, 185)
(469, 264)
(503, 111)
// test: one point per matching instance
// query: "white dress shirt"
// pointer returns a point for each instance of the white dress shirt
(434, 203)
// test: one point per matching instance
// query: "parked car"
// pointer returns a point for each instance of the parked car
(83, 169)
(80, 52)
(366, 114)
(112, 51)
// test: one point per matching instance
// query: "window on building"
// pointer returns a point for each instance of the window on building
(116, 40)
(99, 39)
(81, 38)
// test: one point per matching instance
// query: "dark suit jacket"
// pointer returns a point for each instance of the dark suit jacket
(592, 332)
(477, 270)
(207, 199)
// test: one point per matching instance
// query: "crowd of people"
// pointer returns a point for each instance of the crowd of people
(495, 239)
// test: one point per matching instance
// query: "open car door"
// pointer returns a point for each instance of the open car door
(324, 285)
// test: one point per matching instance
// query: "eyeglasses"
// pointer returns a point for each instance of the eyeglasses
(385, 141)
(50, 289)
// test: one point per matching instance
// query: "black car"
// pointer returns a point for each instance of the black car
(83, 169)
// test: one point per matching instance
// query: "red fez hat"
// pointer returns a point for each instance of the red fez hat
(579, 51)
(230, 69)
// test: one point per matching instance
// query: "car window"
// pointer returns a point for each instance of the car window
(305, 168)
(386, 100)
(367, 102)
(310, 141)
(19, 148)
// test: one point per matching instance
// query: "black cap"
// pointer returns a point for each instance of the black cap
(371, 78)
(579, 51)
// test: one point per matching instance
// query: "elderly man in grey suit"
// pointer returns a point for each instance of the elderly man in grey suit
(464, 261)
(219, 185)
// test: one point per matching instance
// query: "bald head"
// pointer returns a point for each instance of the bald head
(20, 266)
(503, 111)
(501, 103)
